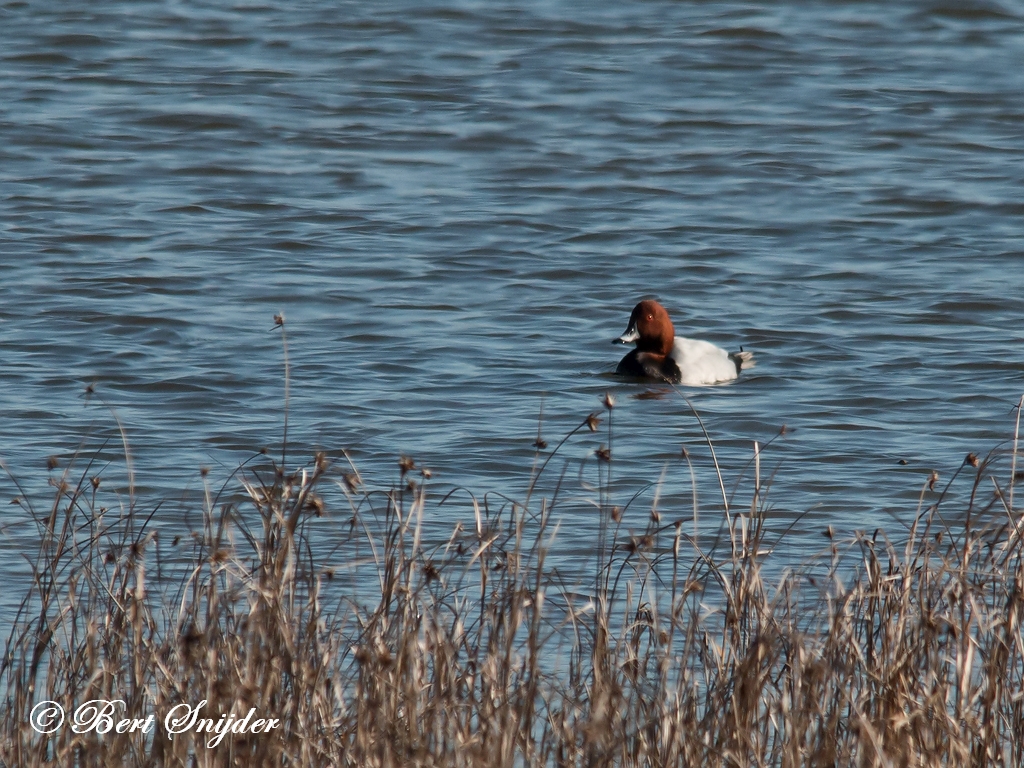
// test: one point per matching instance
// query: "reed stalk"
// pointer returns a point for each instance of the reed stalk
(472, 649)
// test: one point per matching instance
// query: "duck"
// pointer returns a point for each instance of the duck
(661, 355)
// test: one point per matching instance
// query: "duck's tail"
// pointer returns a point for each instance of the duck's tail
(743, 360)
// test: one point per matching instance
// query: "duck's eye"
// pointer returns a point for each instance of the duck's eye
(650, 317)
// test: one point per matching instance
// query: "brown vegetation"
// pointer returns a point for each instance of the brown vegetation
(673, 651)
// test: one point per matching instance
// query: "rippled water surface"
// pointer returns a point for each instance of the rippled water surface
(456, 206)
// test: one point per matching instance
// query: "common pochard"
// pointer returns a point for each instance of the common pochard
(659, 354)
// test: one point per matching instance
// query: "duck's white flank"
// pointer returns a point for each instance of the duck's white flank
(701, 362)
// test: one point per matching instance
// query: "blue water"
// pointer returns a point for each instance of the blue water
(456, 205)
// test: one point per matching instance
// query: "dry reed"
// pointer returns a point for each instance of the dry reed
(473, 651)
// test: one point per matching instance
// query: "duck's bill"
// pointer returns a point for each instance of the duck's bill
(631, 335)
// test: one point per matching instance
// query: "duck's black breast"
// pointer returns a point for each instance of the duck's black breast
(649, 365)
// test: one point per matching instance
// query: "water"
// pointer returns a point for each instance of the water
(456, 205)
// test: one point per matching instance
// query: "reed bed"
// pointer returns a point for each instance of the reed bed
(668, 649)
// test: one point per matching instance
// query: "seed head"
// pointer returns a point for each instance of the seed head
(317, 506)
(320, 461)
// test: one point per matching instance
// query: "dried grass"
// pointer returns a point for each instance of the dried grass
(673, 651)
